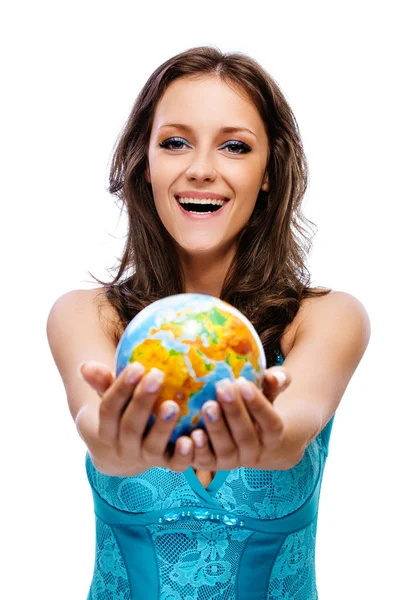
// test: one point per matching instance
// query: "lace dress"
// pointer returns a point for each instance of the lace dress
(250, 535)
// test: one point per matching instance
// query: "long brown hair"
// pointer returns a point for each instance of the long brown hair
(268, 278)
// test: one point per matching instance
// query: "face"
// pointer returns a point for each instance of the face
(202, 158)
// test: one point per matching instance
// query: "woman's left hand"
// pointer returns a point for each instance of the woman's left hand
(248, 431)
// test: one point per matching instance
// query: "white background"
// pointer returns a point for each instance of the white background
(71, 72)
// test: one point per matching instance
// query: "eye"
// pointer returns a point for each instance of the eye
(166, 144)
(240, 146)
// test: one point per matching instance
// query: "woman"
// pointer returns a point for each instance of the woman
(211, 171)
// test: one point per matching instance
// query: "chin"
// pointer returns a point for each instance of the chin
(198, 250)
(196, 246)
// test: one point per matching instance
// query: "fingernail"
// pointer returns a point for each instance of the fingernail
(199, 438)
(154, 380)
(167, 411)
(134, 372)
(225, 390)
(247, 391)
(80, 374)
(211, 412)
(185, 447)
(280, 376)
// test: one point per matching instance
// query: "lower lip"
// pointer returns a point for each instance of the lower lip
(208, 215)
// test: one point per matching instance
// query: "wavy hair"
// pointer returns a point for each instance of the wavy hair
(268, 278)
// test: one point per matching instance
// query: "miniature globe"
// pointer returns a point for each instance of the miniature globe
(197, 340)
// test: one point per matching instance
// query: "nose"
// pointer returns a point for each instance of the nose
(201, 168)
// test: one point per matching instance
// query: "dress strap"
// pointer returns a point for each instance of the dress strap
(326, 433)
(279, 359)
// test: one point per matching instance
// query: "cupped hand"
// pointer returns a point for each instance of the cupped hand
(114, 429)
(243, 429)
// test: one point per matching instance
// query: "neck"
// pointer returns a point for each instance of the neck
(206, 275)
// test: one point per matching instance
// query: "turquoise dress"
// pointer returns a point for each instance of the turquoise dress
(250, 535)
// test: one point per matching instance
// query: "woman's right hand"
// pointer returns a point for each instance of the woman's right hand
(113, 430)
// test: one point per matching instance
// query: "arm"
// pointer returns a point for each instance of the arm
(330, 340)
(271, 430)
(76, 333)
(112, 426)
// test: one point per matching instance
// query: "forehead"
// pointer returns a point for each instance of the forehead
(206, 99)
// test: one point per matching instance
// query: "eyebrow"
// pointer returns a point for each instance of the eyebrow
(222, 129)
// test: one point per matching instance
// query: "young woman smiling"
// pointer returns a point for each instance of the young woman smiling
(211, 171)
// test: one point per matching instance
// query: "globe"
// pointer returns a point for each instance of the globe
(196, 340)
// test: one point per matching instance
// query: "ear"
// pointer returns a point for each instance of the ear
(147, 174)
(265, 184)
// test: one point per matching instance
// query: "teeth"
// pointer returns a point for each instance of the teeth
(201, 201)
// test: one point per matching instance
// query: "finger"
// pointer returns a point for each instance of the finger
(115, 399)
(155, 442)
(261, 409)
(204, 458)
(226, 452)
(139, 409)
(275, 381)
(182, 455)
(98, 375)
(239, 422)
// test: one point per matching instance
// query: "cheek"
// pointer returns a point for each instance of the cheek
(163, 208)
(160, 182)
(245, 178)
(163, 177)
(247, 189)
(160, 206)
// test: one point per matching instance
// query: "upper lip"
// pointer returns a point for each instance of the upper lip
(193, 194)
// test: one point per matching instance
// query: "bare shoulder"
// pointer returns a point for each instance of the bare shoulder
(80, 327)
(107, 314)
(337, 308)
(331, 335)
(94, 302)
(332, 307)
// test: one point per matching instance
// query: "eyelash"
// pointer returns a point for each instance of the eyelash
(233, 144)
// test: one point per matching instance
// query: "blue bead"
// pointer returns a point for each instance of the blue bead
(201, 514)
(230, 520)
(171, 516)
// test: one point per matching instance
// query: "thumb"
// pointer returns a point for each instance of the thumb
(275, 381)
(98, 375)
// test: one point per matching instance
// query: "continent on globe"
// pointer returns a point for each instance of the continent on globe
(196, 340)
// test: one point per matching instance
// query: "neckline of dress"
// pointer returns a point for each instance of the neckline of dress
(213, 487)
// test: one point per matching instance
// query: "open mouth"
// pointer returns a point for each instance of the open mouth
(201, 206)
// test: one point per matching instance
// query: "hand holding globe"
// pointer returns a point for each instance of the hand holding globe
(195, 340)
(178, 349)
